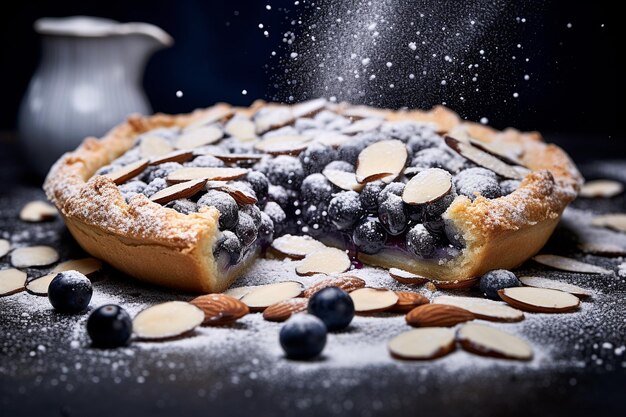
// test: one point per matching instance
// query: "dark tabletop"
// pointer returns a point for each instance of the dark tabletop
(48, 368)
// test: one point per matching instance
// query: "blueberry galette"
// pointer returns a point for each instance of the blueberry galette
(190, 201)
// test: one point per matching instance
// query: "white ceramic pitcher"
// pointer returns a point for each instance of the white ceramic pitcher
(89, 79)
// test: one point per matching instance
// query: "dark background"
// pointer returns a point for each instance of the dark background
(219, 51)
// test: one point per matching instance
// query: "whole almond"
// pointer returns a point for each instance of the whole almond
(220, 309)
(407, 301)
(282, 310)
(433, 315)
(347, 283)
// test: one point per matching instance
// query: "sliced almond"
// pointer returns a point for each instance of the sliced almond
(212, 115)
(296, 247)
(5, 247)
(241, 195)
(270, 119)
(488, 341)
(175, 156)
(239, 292)
(85, 266)
(601, 189)
(324, 261)
(616, 222)
(539, 300)
(241, 128)
(123, 174)
(501, 150)
(11, 281)
(427, 186)
(282, 310)
(483, 309)
(342, 179)
(405, 277)
(333, 139)
(283, 144)
(29, 256)
(437, 315)
(362, 125)
(210, 174)
(422, 344)
(152, 146)
(38, 211)
(181, 190)
(372, 300)
(346, 283)
(407, 301)
(484, 159)
(201, 136)
(569, 264)
(233, 158)
(308, 108)
(457, 284)
(539, 282)
(167, 320)
(383, 160)
(264, 296)
(602, 248)
(39, 286)
(220, 309)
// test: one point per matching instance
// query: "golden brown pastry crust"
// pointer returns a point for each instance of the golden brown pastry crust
(162, 246)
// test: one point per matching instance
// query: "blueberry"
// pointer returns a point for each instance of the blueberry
(160, 171)
(279, 195)
(395, 188)
(392, 214)
(437, 208)
(228, 245)
(316, 157)
(402, 130)
(285, 171)
(225, 204)
(70, 292)
(508, 186)
(369, 236)
(369, 195)
(345, 209)
(316, 189)
(252, 211)
(420, 242)
(266, 229)
(471, 184)
(415, 213)
(183, 205)
(246, 230)
(431, 158)
(154, 187)
(436, 227)
(109, 326)
(303, 336)
(259, 183)
(349, 151)
(315, 216)
(496, 280)
(132, 188)
(340, 166)
(277, 215)
(424, 141)
(472, 172)
(205, 161)
(333, 306)
(454, 236)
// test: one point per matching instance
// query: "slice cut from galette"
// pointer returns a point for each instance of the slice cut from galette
(190, 201)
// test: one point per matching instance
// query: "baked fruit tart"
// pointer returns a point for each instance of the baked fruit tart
(190, 201)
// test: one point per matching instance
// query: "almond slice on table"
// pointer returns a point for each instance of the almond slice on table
(5, 247)
(602, 248)
(39, 286)
(539, 282)
(601, 189)
(239, 292)
(616, 221)
(540, 300)
(324, 261)
(427, 186)
(362, 125)
(282, 310)
(569, 264)
(181, 190)
(407, 301)
(123, 174)
(241, 128)
(220, 309)
(483, 309)
(175, 156)
(488, 341)
(210, 174)
(296, 247)
(152, 146)
(406, 277)
(241, 195)
(11, 281)
(346, 283)
(201, 136)
(38, 211)
(383, 160)
(342, 179)
(437, 315)
(422, 344)
(457, 284)
(167, 320)
(85, 266)
(33, 256)
(283, 144)
(373, 300)
(484, 159)
(258, 299)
